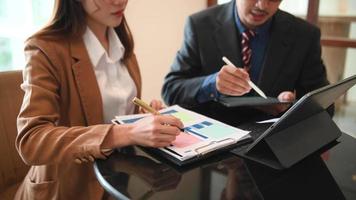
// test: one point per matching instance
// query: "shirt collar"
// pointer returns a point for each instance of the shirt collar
(96, 51)
(116, 48)
(260, 30)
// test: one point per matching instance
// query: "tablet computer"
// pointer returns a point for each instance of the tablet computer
(302, 130)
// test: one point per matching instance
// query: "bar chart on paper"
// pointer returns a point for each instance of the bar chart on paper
(199, 131)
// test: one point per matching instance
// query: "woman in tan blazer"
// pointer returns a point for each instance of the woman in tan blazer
(81, 71)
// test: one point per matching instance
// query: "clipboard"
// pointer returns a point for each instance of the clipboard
(206, 156)
(236, 101)
(202, 136)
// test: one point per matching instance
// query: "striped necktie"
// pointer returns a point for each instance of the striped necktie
(246, 51)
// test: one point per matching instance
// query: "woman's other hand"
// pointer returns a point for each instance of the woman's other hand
(155, 104)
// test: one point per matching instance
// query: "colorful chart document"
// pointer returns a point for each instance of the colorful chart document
(201, 134)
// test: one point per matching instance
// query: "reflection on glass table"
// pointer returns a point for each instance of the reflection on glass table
(153, 175)
(238, 182)
(140, 175)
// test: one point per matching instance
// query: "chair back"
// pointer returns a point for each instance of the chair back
(12, 168)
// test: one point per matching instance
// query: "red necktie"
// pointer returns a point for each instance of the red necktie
(246, 52)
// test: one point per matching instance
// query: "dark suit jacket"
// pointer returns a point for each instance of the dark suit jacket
(292, 60)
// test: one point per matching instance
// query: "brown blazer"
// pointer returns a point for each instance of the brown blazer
(61, 119)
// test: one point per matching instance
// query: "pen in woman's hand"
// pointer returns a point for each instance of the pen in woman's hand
(148, 108)
(145, 106)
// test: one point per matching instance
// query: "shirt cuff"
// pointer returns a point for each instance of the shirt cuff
(208, 91)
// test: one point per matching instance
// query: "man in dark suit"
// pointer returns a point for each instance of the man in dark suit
(285, 55)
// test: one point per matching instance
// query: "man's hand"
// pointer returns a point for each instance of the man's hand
(232, 81)
(286, 96)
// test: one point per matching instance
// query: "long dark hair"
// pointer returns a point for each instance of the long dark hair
(69, 21)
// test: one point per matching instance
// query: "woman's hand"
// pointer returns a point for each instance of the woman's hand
(155, 131)
(155, 104)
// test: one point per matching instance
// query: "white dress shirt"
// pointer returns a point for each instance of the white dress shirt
(116, 86)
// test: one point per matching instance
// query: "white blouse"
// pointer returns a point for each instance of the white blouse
(116, 86)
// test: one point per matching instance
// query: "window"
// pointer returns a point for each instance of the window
(18, 20)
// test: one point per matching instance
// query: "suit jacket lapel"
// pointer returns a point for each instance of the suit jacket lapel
(276, 53)
(86, 83)
(226, 35)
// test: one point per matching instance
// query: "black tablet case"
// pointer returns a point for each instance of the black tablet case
(305, 128)
(233, 101)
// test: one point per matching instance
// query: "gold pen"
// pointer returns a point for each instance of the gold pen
(147, 107)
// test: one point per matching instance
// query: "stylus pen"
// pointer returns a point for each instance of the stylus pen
(147, 107)
(258, 90)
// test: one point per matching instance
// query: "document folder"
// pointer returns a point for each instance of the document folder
(202, 136)
(305, 128)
